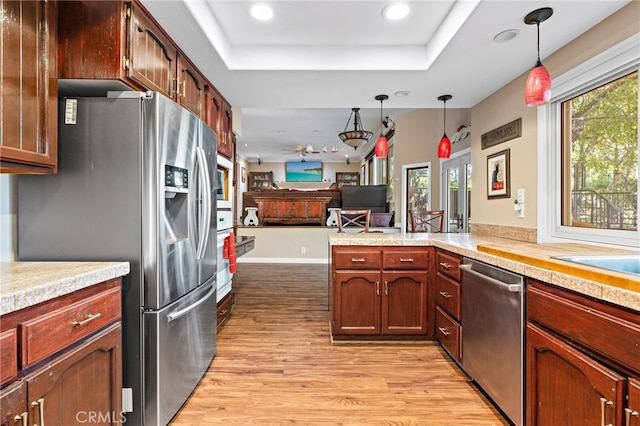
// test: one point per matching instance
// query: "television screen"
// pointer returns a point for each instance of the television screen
(359, 197)
(304, 171)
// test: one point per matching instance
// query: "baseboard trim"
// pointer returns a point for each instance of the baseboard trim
(319, 260)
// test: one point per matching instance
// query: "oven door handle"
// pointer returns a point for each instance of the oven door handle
(503, 285)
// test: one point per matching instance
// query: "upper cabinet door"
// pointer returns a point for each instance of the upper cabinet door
(29, 101)
(152, 55)
(189, 86)
(218, 116)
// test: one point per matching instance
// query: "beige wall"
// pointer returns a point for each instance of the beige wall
(507, 104)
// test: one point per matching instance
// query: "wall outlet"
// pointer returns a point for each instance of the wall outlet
(520, 195)
(303, 249)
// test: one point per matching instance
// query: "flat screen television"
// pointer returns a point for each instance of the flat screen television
(304, 171)
(361, 197)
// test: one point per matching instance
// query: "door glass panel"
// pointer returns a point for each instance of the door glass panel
(418, 185)
(456, 193)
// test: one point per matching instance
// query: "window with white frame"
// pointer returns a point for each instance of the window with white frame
(589, 151)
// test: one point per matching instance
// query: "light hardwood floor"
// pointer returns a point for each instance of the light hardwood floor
(276, 365)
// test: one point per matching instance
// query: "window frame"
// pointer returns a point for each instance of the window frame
(615, 62)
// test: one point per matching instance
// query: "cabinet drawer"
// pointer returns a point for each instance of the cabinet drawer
(448, 264)
(448, 332)
(224, 309)
(49, 333)
(448, 295)
(612, 336)
(405, 259)
(357, 259)
(8, 355)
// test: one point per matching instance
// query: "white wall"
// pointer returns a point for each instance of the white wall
(8, 213)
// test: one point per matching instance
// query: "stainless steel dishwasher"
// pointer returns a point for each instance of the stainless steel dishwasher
(492, 334)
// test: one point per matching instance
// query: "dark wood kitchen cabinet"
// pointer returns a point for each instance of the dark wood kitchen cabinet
(583, 360)
(69, 360)
(120, 40)
(218, 116)
(29, 101)
(448, 295)
(380, 291)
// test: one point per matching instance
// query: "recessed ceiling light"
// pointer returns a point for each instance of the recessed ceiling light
(396, 11)
(506, 36)
(402, 93)
(262, 12)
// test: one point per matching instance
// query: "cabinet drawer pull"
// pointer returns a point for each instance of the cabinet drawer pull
(40, 404)
(24, 418)
(603, 406)
(445, 294)
(359, 260)
(445, 265)
(444, 331)
(89, 318)
(377, 288)
(628, 412)
(406, 260)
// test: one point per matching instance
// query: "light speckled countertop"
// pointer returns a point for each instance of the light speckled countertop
(531, 260)
(24, 284)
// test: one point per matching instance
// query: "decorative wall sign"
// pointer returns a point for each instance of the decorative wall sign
(502, 134)
(498, 176)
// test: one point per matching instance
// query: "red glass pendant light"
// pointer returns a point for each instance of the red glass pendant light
(382, 145)
(444, 147)
(537, 90)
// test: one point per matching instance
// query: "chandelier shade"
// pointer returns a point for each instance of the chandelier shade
(444, 147)
(358, 136)
(537, 89)
(382, 145)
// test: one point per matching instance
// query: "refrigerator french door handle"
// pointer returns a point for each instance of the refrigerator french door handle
(182, 312)
(205, 187)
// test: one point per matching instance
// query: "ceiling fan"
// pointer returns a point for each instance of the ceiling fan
(303, 151)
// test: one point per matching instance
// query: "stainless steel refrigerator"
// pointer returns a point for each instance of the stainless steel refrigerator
(136, 183)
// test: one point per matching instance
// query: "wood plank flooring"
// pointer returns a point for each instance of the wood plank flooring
(276, 365)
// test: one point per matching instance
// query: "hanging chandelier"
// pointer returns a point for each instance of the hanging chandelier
(358, 136)
(382, 145)
(537, 90)
(444, 147)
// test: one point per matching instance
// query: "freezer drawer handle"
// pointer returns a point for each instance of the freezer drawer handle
(509, 287)
(89, 318)
(177, 314)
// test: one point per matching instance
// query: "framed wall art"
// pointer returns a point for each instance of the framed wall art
(304, 171)
(498, 175)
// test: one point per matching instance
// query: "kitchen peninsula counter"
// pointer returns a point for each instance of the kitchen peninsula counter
(24, 284)
(531, 260)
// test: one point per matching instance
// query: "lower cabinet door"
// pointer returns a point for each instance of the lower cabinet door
(632, 412)
(565, 386)
(13, 405)
(84, 385)
(404, 302)
(357, 303)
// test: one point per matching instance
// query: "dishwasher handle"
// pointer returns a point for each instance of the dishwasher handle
(509, 287)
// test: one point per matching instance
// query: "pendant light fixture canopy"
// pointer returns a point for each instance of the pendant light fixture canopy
(537, 90)
(382, 145)
(444, 147)
(358, 136)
